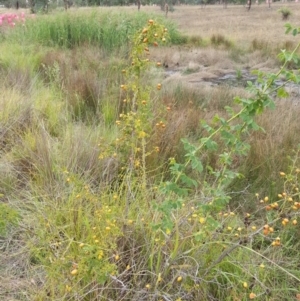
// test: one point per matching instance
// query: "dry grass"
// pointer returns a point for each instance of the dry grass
(235, 22)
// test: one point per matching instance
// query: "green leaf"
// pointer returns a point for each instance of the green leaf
(295, 32)
(199, 236)
(212, 223)
(196, 164)
(288, 28)
(282, 93)
(188, 181)
(209, 144)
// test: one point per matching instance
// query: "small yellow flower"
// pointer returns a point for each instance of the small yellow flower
(117, 257)
(245, 284)
(179, 279)
(147, 286)
(142, 134)
(74, 272)
(81, 245)
(159, 279)
(100, 254)
(202, 220)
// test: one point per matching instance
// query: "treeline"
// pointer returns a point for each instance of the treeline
(45, 5)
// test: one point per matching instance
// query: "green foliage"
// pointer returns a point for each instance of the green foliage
(76, 240)
(15, 56)
(109, 31)
(225, 139)
(285, 13)
(8, 217)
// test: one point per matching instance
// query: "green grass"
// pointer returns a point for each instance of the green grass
(108, 31)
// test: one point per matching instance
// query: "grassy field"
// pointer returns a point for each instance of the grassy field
(131, 170)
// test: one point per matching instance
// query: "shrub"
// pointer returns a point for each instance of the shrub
(220, 40)
(285, 13)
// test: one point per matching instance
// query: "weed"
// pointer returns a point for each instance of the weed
(220, 40)
(259, 44)
(285, 13)
(239, 74)
(8, 216)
